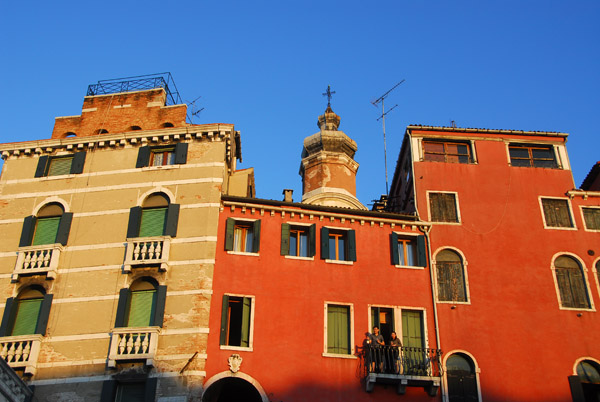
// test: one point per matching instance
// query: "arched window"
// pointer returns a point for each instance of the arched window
(101, 131)
(51, 225)
(142, 304)
(156, 217)
(450, 277)
(134, 128)
(462, 380)
(588, 371)
(26, 314)
(571, 283)
(168, 124)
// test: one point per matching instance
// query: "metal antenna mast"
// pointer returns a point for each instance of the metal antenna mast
(382, 117)
(194, 111)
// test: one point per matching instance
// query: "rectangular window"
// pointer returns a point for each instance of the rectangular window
(131, 392)
(236, 321)
(299, 242)
(60, 165)
(338, 244)
(242, 236)
(532, 156)
(153, 222)
(591, 217)
(557, 213)
(338, 329)
(447, 151)
(442, 207)
(26, 316)
(162, 156)
(408, 251)
(45, 231)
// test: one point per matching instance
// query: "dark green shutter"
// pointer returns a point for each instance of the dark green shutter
(181, 150)
(246, 309)
(60, 166)
(109, 389)
(577, 392)
(224, 319)
(312, 239)
(256, 233)
(412, 329)
(133, 227)
(153, 222)
(229, 228)
(40, 171)
(122, 307)
(324, 243)
(172, 220)
(142, 305)
(351, 246)
(8, 316)
(45, 231)
(27, 231)
(42, 321)
(26, 317)
(421, 252)
(64, 226)
(78, 162)
(143, 157)
(285, 239)
(375, 317)
(395, 258)
(161, 298)
(150, 389)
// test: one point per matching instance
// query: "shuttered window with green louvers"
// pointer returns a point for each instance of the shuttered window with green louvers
(141, 308)
(46, 230)
(60, 166)
(26, 316)
(338, 329)
(153, 222)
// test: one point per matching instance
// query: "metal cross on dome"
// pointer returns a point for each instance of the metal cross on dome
(328, 94)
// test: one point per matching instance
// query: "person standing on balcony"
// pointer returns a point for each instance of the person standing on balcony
(376, 349)
(396, 348)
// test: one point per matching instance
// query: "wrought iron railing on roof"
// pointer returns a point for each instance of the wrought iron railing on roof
(138, 83)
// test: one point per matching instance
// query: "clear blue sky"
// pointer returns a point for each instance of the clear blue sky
(262, 65)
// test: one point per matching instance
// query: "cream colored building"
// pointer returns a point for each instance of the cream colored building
(108, 236)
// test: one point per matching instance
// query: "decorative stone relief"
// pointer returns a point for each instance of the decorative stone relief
(235, 361)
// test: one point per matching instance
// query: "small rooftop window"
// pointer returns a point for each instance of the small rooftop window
(101, 131)
(168, 124)
(134, 128)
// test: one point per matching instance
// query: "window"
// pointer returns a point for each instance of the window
(162, 156)
(156, 217)
(408, 251)
(298, 241)
(443, 207)
(236, 321)
(26, 314)
(142, 304)
(242, 236)
(339, 340)
(532, 156)
(571, 283)
(132, 389)
(591, 217)
(557, 213)
(51, 225)
(462, 379)
(338, 244)
(60, 165)
(450, 277)
(447, 151)
(589, 371)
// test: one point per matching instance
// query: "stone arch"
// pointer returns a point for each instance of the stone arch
(156, 190)
(229, 377)
(51, 200)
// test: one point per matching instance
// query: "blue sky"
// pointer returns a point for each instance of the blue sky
(525, 65)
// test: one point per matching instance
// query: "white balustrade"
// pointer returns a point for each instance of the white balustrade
(133, 344)
(147, 251)
(21, 351)
(37, 260)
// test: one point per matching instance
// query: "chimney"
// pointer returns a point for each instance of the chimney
(287, 195)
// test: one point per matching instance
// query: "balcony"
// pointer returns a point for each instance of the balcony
(37, 260)
(403, 367)
(144, 251)
(133, 344)
(21, 351)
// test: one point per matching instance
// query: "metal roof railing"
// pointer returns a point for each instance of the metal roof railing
(138, 83)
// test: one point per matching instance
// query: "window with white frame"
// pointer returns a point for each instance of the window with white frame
(591, 218)
(443, 207)
(571, 283)
(236, 321)
(338, 333)
(557, 213)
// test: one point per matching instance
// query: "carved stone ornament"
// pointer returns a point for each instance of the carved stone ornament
(235, 361)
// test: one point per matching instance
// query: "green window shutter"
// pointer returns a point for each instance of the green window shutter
(375, 317)
(45, 231)
(324, 243)
(161, 299)
(153, 222)
(224, 320)
(285, 239)
(40, 171)
(150, 389)
(412, 329)
(78, 162)
(246, 321)
(172, 220)
(256, 233)
(133, 226)
(26, 317)
(394, 249)
(42, 322)
(27, 231)
(421, 252)
(8, 316)
(109, 389)
(351, 246)
(143, 157)
(64, 227)
(60, 166)
(230, 224)
(312, 238)
(141, 308)
(122, 308)
(338, 330)
(181, 150)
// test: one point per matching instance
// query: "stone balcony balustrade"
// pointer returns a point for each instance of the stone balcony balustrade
(143, 251)
(133, 344)
(41, 259)
(21, 351)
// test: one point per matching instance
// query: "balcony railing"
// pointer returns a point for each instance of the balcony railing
(21, 351)
(37, 260)
(147, 251)
(133, 344)
(403, 366)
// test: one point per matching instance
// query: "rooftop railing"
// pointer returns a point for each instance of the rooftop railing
(138, 83)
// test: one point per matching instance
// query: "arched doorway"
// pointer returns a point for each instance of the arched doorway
(231, 389)
(462, 380)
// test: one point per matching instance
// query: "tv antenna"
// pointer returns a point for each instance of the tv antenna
(195, 112)
(375, 103)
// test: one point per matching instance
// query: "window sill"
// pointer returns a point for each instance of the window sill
(589, 309)
(339, 356)
(446, 223)
(165, 167)
(341, 262)
(293, 257)
(58, 176)
(466, 303)
(559, 228)
(409, 267)
(243, 253)
(241, 348)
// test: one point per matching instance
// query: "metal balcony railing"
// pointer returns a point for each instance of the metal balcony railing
(21, 351)
(147, 251)
(138, 83)
(37, 260)
(133, 344)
